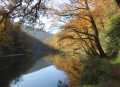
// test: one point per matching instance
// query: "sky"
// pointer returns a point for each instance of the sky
(47, 21)
(53, 30)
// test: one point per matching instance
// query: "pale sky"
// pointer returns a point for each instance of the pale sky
(47, 21)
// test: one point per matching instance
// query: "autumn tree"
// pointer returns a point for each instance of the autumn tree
(118, 2)
(88, 16)
(21, 9)
(89, 12)
(26, 11)
(62, 41)
(13, 39)
(5, 38)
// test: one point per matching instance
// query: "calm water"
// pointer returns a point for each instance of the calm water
(30, 71)
(46, 77)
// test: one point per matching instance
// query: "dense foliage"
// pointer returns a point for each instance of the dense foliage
(14, 40)
(92, 31)
(112, 35)
(65, 45)
(93, 28)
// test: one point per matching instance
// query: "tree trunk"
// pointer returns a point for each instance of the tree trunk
(99, 47)
(97, 41)
(118, 3)
(93, 48)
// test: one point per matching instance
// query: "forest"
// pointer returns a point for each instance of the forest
(92, 31)
(14, 40)
(89, 38)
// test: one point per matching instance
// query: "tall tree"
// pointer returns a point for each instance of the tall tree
(88, 14)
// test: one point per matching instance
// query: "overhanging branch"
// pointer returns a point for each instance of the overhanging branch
(6, 14)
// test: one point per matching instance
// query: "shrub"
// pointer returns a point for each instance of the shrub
(112, 35)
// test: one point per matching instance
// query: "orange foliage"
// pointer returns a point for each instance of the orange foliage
(72, 66)
(5, 39)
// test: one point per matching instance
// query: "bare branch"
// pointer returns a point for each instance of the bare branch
(6, 14)
(36, 6)
(82, 32)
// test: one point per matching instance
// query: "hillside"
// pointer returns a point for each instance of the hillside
(64, 41)
(39, 50)
(39, 35)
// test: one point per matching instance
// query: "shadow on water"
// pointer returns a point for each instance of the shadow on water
(12, 68)
(39, 50)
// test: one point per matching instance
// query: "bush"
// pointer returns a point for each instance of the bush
(112, 35)
(91, 71)
(96, 72)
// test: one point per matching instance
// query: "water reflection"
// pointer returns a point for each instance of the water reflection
(40, 71)
(47, 77)
(27, 71)
(12, 68)
(72, 66)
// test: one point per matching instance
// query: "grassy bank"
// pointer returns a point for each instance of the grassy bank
(116, 61)
(99, 72)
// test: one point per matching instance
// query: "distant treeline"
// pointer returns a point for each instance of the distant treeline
(14, 40)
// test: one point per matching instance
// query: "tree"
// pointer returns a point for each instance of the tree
(88, 15)
(118, 3)
(27, 11)
(13, 40)
(24, 10)
(112, 35)
(90, 11)
(5, 38)
(21, 8)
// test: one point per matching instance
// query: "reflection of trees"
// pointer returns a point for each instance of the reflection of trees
(49, 58)
(70, 64)
(12, 68)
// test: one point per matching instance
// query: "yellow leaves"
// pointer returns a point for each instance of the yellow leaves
(64, 41)
(5, 39)
(71, 65)
(2, 11)
(89, 14)
(98, 12)
(95, 9)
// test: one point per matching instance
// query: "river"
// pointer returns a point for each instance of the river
(41, 68)
(25, 71)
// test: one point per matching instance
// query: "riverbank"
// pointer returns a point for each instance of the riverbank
(98, 72)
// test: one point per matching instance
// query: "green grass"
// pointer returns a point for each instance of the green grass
(116, 61)
(102, 65)
(105, 66)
